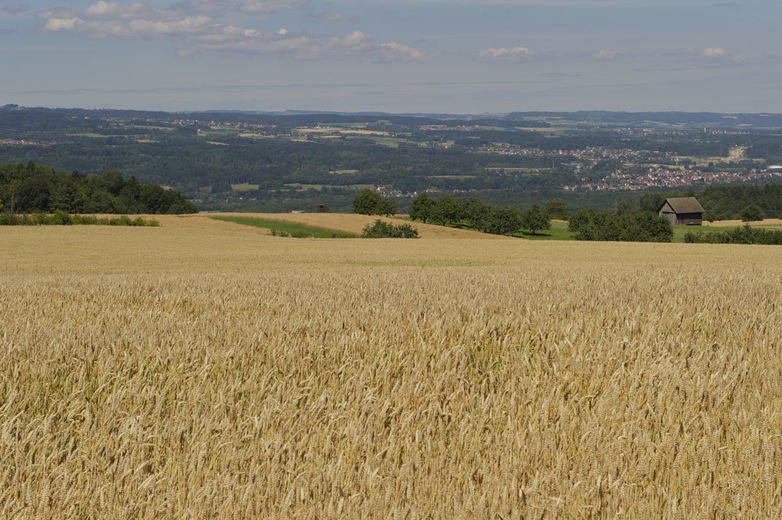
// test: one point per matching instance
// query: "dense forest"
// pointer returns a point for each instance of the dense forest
(33, 188)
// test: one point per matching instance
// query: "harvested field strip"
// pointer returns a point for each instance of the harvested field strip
(294, 230)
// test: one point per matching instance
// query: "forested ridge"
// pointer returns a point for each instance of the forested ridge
(34, 188)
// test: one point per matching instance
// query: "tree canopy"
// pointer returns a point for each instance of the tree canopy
(625, 227)
(368, 202)
(33, 188)
(476, 214)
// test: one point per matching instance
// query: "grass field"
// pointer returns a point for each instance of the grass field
(244, 186)
(390, 142)
(205, 370)
(680, 231)
(558, 231)
(302, 187)
(289, 228)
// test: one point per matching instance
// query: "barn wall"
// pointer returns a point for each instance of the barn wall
(691, 219)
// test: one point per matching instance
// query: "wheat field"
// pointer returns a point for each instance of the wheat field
(352, 223)
(203, 370)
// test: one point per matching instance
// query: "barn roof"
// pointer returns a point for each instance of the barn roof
(684, 205)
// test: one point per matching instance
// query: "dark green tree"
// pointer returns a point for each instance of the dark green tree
(32, 188)
(447, 211)
(421, 207)
(535, 219)
(610, 226)
(367, 202)
(387, 207)
(502, 220)
(381, 229)
(474, 212)
(752, 213)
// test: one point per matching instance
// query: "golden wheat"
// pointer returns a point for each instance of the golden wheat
(214, 372)
(352, 223)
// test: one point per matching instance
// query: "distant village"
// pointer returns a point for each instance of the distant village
(667, 178)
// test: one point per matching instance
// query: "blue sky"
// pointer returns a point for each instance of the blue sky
(456, 56)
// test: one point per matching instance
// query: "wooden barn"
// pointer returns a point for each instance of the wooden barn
(682, 211)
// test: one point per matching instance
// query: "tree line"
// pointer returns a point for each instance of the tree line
(34, 188)
(61, 218)
(588, 224)
(739, 235)
(476, 214)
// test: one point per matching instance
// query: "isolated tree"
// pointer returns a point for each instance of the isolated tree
(535, 219)
(502, 220)
(421, 207)
(752, 213)
(367, 202)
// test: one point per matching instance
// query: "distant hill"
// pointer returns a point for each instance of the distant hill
(299, 160)
(673, 118)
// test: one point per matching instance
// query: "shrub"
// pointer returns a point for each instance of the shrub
(381, 229)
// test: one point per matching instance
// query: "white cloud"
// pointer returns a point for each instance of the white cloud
(309, 47)
(504, 54)
(201, 33)
(61, 24)
(398, 52)
(105, 9)
(715, 52)
(605, 54)
(270, 6)
(188, 25)
(715, 55)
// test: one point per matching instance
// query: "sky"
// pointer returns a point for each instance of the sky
(401, 56)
